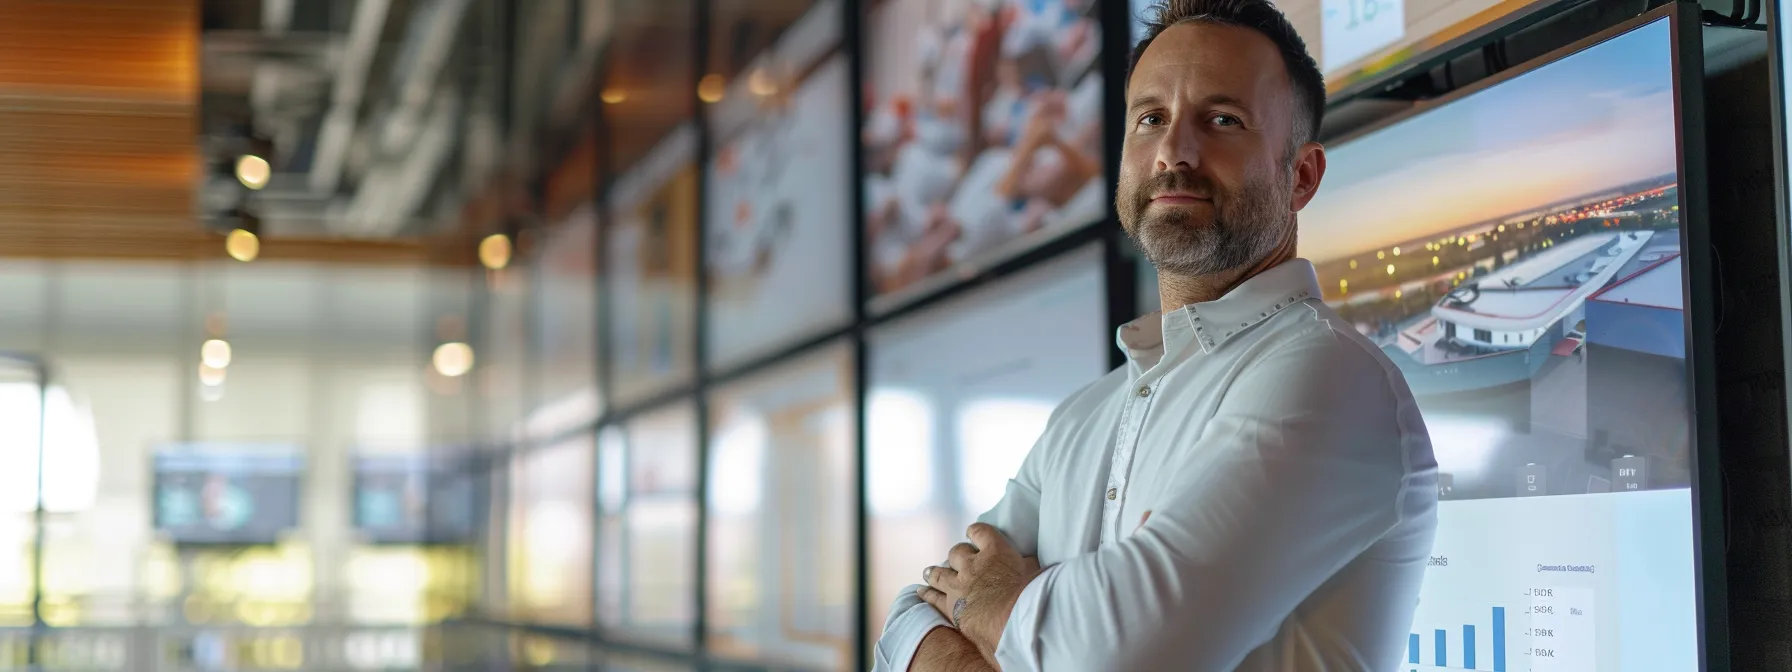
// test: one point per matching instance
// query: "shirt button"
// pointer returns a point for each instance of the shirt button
(1112, 493)
(1145, 391)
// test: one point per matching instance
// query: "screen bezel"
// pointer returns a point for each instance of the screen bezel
(1697, 283)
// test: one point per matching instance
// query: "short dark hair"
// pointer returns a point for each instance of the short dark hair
(1263, 17)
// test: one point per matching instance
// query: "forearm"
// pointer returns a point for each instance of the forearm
(946, 650)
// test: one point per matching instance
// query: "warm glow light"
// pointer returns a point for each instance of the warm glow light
(1396, 251)
(613, 96)
(242, 245)
(1390, 269)
(1379, 254)
(453, 359)
(1399, 294)
(215, 353)
(1434, 261)
(711, 88)
(1502, 228)
(211, 376)
(1344, 286)
(253, 171)
(761, 83)
(1353, 264)
(494, 251)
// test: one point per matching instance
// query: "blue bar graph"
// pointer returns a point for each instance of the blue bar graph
(1499, 639)
(1441, 650)
(1468, 647)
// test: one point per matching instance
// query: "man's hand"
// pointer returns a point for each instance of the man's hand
(978, 587)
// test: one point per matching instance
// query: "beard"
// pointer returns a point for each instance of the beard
(1245, 225)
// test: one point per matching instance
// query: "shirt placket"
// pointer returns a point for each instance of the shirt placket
(1132, 423)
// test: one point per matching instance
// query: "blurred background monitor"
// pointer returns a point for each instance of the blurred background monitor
(783, 496)
(413, 498)
(780, 190)
(957, 396)
(227, 494)
(982, 135)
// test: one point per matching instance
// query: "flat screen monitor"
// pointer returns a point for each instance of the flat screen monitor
(647, 525)
(782, 570)
(652, 269)
(958, 394)
(413, 498)
(982, 135)
(227, 494)
(550, 533)
(1516, 250)
(565, 314)
(780, 186)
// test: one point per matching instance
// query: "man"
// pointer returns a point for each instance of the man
(1254, 489)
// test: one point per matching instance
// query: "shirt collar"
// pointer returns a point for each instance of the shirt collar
(1214, 322)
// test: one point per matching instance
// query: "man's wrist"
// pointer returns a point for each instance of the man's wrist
(986, 616)
(947, 649)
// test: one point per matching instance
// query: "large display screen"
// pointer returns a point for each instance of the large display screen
(780, 188)
(647, 522)
(783, 515)
(413, 498)
(957, 397)
(1355, 40)
(565, 315)
(550, 533)
(1516, 252)
(227, 493)
(982, 136)
(652, 269)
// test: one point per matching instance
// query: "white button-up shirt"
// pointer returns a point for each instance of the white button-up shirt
(1291, 489)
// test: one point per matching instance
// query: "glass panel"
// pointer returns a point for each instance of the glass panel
(782, 505)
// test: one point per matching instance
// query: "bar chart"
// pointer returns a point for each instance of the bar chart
(1459, 647)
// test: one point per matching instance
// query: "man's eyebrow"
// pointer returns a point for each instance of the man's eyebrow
(1146, 100)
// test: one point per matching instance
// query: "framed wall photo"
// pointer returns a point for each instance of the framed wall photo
(566, 334)
(957, 395)
(782, 514)
(779, 193)
(982, 135)
(651, 266)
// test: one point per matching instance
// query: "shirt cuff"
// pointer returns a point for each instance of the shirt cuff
(1018, 650)
(903, 634)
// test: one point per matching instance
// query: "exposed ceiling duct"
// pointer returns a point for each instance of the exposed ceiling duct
(364, 102)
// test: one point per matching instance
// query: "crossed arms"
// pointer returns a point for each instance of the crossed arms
(1297, 473)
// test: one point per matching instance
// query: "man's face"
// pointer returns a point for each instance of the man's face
(1207, 181)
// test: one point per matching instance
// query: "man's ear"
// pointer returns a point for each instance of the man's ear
(1309, 171)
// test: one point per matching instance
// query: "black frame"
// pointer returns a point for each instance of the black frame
(1121, 265)
(1698, 283)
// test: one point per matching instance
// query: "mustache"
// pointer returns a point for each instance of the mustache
(1175, 181)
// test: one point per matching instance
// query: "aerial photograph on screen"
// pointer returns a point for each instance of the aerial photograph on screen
(1517, 254)
(982, 133)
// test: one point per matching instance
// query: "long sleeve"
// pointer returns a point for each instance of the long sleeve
(1303, 466)
(1016, 515)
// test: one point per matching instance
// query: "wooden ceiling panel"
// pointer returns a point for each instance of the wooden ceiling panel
(99, 130)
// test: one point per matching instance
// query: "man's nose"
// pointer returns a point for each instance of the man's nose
(1178, 148)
